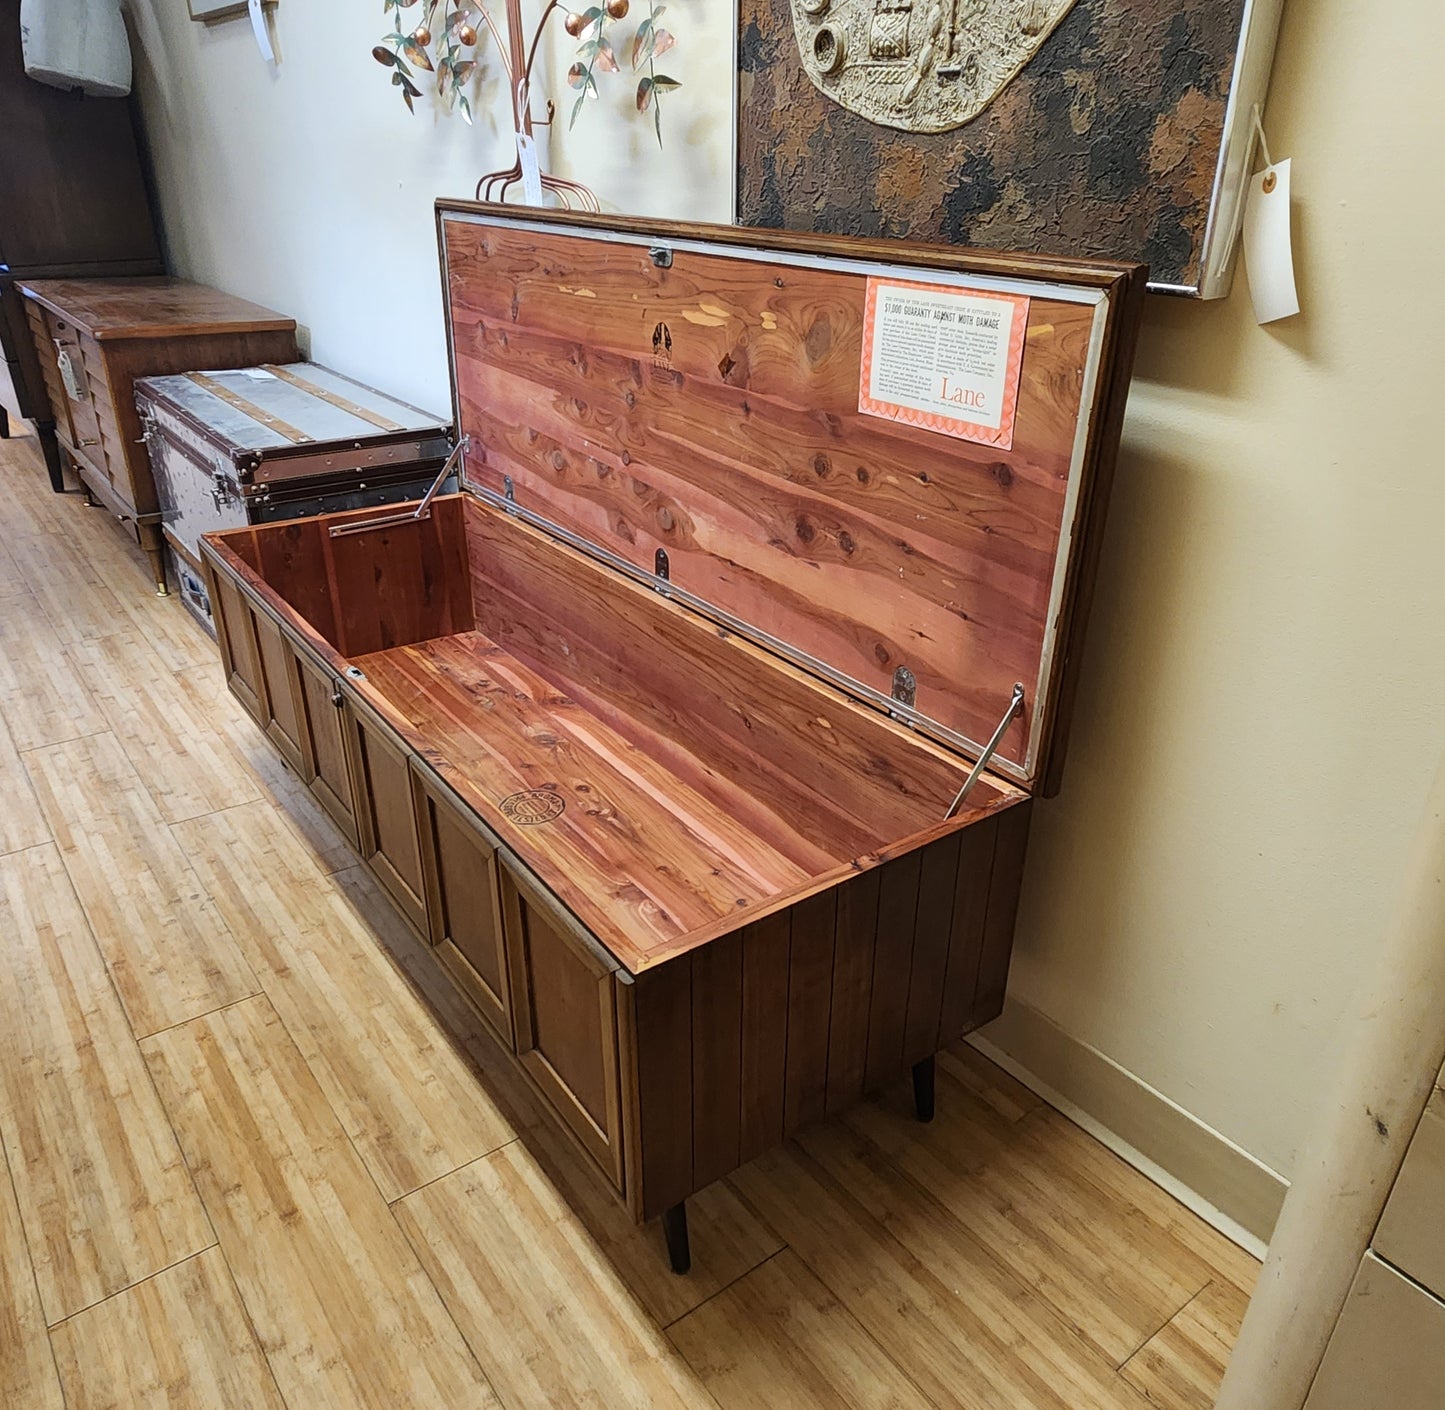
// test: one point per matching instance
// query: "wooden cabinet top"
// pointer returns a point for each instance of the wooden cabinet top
(156, 306)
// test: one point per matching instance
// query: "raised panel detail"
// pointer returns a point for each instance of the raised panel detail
(464, 906)
(236, 634)
(565, 1007)
(386, 815)
(278, 665)
(328, 771)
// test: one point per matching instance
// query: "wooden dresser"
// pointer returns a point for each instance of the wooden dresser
(699, 737)
(94, 337)
(1388, 1347)
(73, 202)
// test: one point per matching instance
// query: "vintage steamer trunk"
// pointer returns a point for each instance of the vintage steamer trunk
(617, 728)
(255, 445)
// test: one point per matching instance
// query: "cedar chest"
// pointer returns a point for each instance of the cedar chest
(657, 732)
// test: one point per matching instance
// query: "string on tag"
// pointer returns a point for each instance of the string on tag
(1264, 148)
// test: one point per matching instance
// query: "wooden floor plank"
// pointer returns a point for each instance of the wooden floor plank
(187, 768)
(12, 580)
(343, 1309)
(968, 1333)
(779, 1337)
(726, 1237)
(21, 822)
(35, 507)
(178, 1341)
(1111, 1277)
(987, 1082)
(1182, 1366)
(167, 948)
(174, 638)
(547, 1316)
(62, 579)
(104, 1195)
(207, 690)
(407, 1100)
(27, 1369)
(1116, 1180)
(42, 698)
(415, 963)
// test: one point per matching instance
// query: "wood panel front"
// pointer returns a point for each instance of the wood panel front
(743, 1042)
(386, 813)
(464, 910)
(284, 725)
(328, 770)
(55, 393)
(240, 653)
(63, 340)
(564, 1007)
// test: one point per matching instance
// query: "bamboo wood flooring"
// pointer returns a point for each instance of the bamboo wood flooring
(244, 1166)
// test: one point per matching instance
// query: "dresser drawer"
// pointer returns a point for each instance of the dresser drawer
(71, 368)
(1411, 1234)
(1388, 1348)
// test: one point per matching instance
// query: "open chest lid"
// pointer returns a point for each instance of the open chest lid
(258, 414)
(887, 462)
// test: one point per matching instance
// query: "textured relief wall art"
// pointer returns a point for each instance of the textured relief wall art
(1091, 127)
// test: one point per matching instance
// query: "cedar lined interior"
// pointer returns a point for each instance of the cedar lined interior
(702, 778)
(736, 445)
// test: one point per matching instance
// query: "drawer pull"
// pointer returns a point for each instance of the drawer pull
(92, 442)
(336, 697)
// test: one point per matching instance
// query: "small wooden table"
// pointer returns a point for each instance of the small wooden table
(94, 337)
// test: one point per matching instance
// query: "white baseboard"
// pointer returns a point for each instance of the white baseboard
(1204, 1170)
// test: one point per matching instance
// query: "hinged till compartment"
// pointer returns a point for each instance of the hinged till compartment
(698, 422)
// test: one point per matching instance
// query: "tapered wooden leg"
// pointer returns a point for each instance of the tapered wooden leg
(4, 424)
(923, 1074)
(674, 1230)
(50, 449)
(155, 550)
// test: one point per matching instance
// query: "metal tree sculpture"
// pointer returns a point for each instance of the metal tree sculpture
(443, 43)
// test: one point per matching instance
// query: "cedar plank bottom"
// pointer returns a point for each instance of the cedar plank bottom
(747, 912)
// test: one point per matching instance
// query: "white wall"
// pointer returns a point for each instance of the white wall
(309, 188)
(1264, 693)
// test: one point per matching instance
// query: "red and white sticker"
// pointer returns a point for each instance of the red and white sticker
(942, 358)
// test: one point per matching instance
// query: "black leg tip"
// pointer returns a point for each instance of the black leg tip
(923, 1085)
(674, 1230)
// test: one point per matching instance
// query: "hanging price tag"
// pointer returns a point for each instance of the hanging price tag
(258, 28)
(531, 172)
(1268, 253)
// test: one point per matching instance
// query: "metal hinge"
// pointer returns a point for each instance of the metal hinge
(423, 509)
(1015, 705)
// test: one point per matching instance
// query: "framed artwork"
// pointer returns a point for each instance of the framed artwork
(1116, 128)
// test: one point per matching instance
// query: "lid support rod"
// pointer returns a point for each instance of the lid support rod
(422, 511)
(1015, 704)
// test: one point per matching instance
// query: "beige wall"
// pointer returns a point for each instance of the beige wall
(1264, 692)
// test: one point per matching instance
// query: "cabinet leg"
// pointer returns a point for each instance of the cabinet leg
(923, 1075)
(4, 424)
(50, 449)
(674, 1230)
(155, 550)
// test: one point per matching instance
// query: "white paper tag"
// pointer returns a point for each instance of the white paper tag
(531, 173)
(1268, 255)
(258, 28)
(258, 374)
